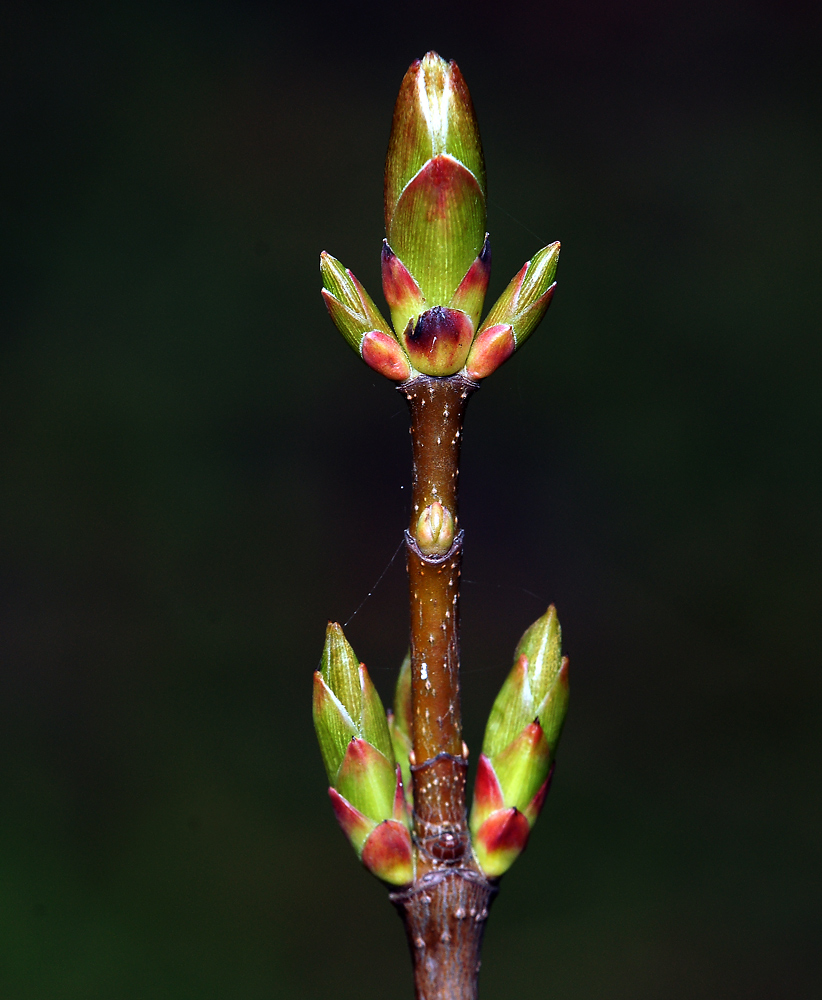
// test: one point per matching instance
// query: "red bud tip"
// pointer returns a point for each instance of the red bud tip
(388, 853)
(492, 348)
(439, 342)
(384, 355)
(500, 839)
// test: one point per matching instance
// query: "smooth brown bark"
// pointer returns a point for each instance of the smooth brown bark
(445, 910)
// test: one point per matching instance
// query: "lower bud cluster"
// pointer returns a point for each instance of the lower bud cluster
(367, 754)
(516, 763)
(366, 781)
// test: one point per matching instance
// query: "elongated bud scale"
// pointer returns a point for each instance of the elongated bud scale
(435, 179)
(435, 530)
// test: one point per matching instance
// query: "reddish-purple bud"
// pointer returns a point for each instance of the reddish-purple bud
(438, 343)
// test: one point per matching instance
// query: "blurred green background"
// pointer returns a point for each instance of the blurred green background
(196, 473)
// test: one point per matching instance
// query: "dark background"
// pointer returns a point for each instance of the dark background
(196, 473)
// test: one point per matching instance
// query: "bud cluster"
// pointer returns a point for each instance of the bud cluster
(436, 258)
(366, 782)
(515, 765)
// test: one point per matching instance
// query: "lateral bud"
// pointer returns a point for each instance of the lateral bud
(516, 313)
(518, 750)
(366, 783)
(435, 530)
(360, 322)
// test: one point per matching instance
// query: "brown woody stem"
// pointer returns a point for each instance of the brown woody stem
(446, 907)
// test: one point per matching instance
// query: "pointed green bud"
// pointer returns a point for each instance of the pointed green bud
(434, 533)
(491, 348)
(515, 765)
(346, 705)
(435, 179)
(523, 303)
(360, 322)
(528, 692)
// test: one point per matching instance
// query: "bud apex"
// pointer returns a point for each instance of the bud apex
(523, 303)
(435, 179)
(359, 320)
(438, 343)
(435, 530)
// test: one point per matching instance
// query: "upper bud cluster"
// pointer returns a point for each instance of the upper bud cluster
(517, 752)
(366, 783)
(436, 259)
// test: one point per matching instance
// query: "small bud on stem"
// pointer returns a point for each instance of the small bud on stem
(435, 530)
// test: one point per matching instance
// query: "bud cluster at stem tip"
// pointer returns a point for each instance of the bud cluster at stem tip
(366, 782)
(516, 763)
(436, 258)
